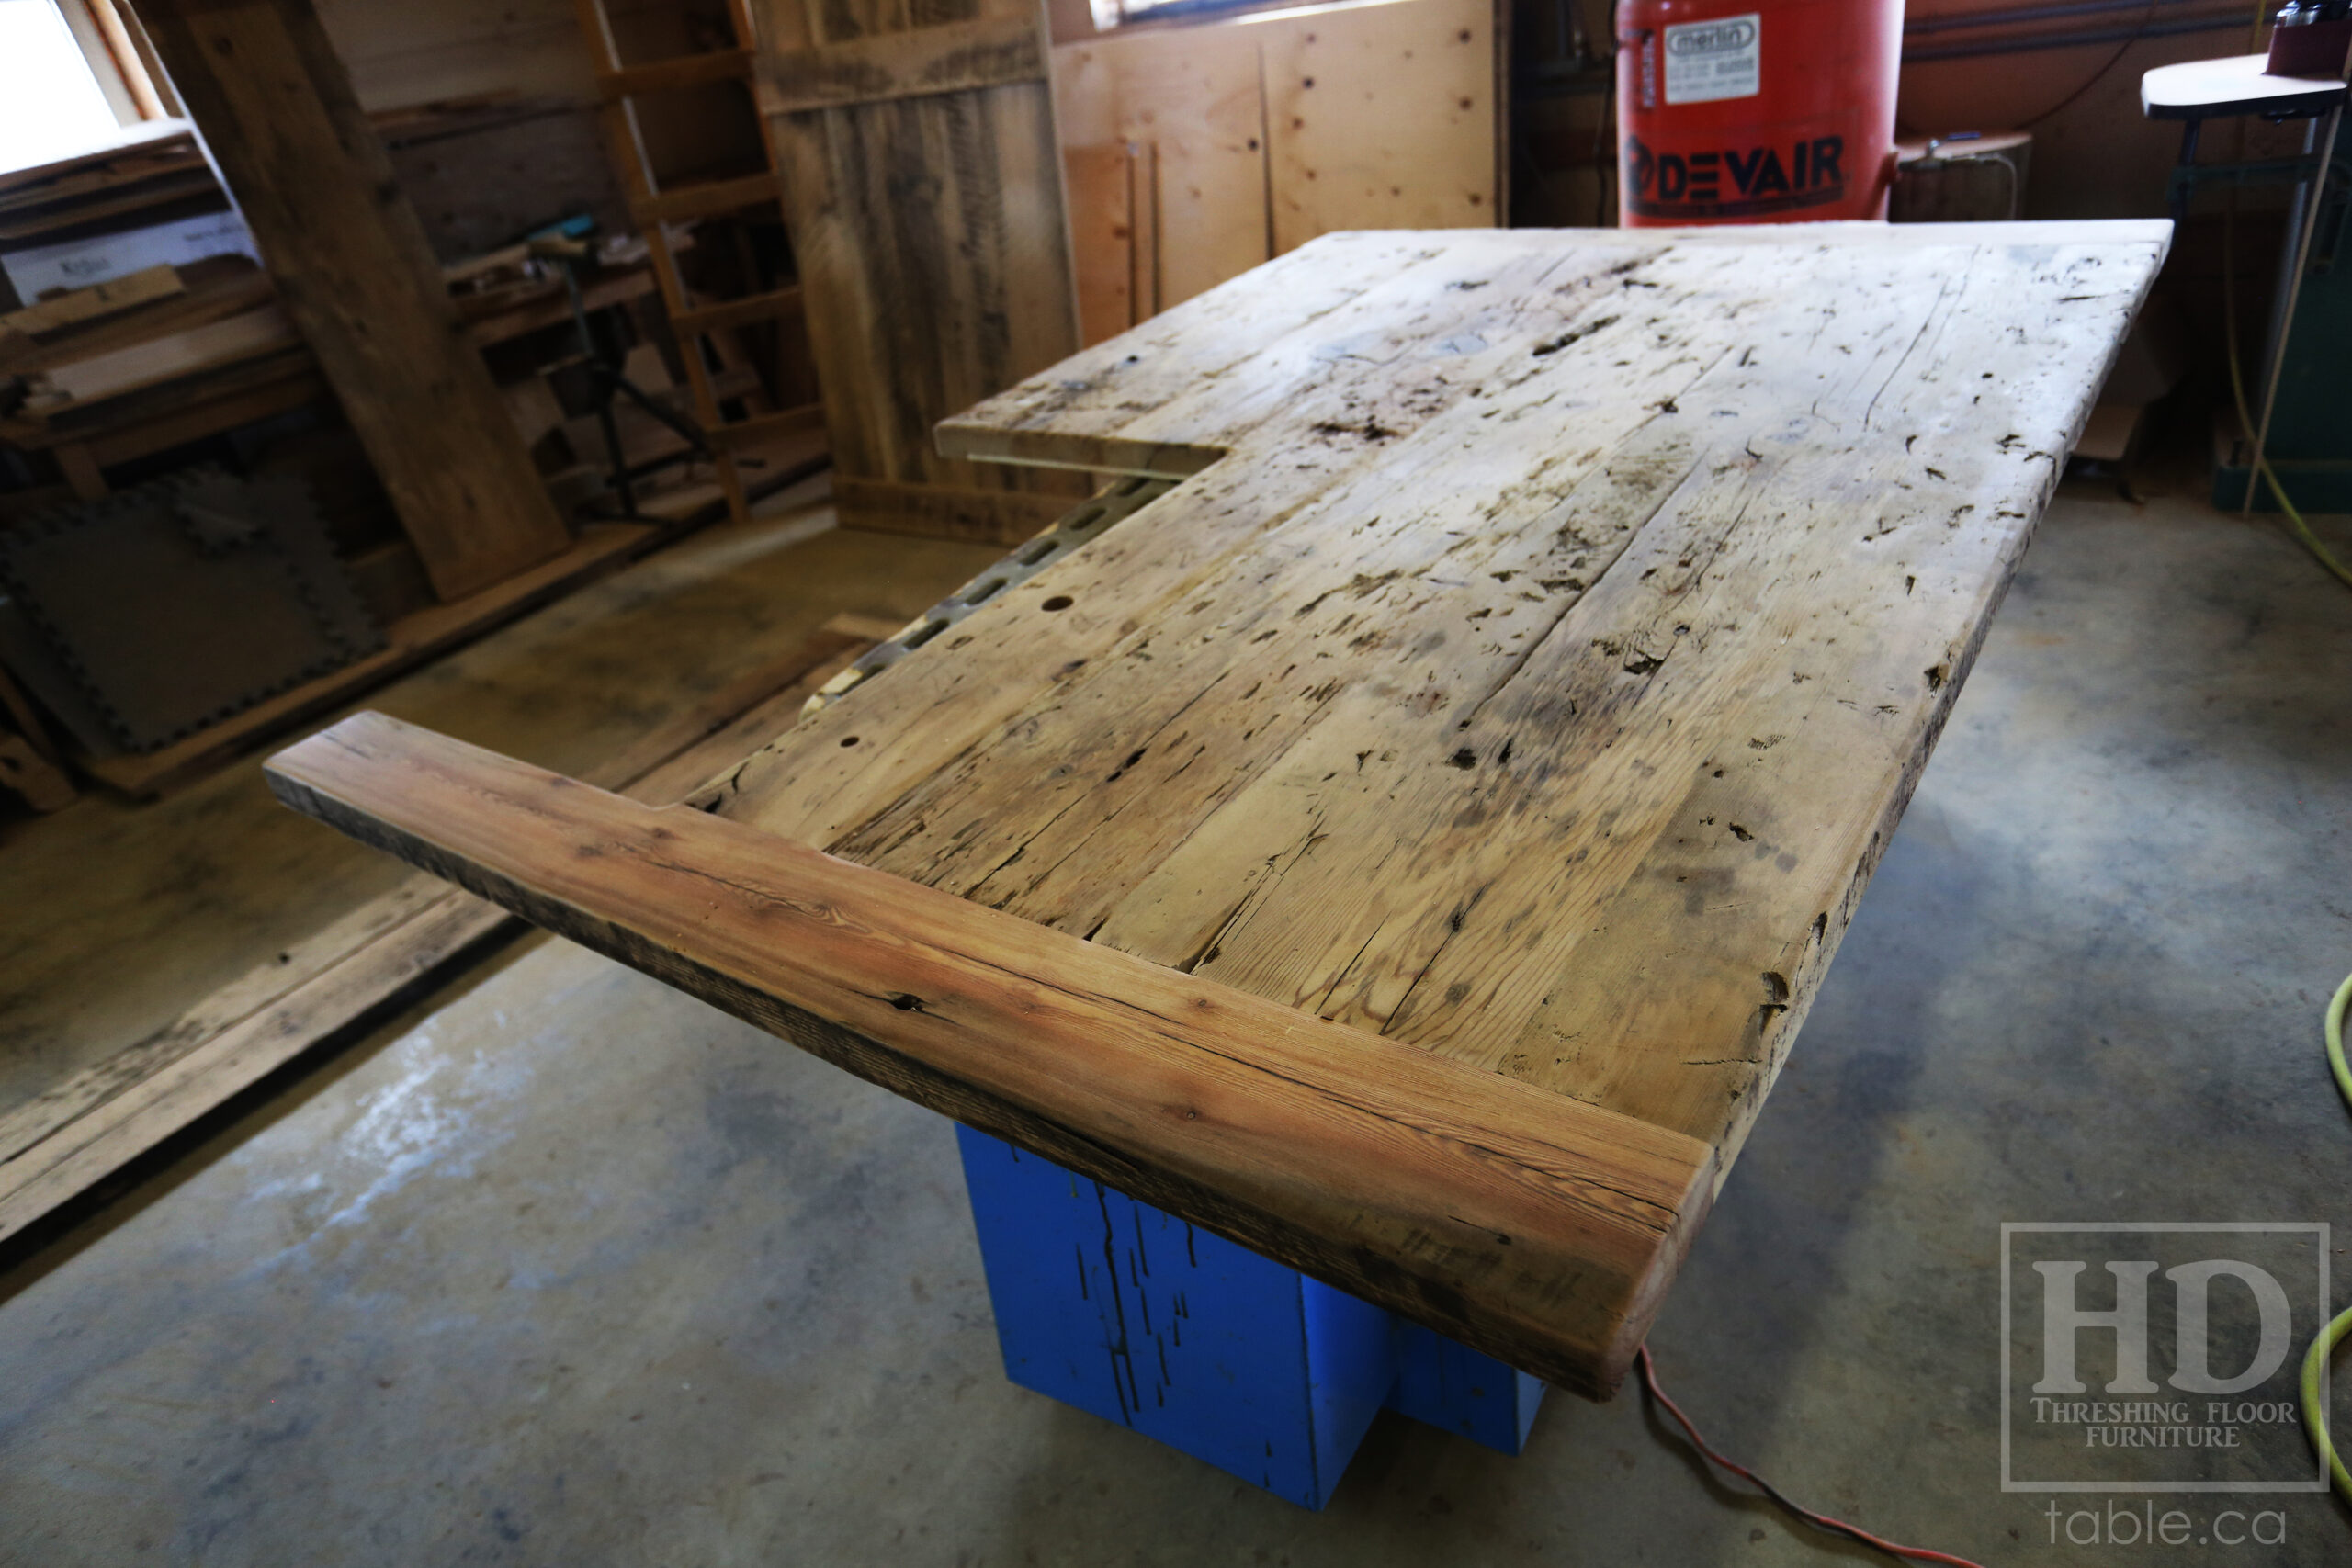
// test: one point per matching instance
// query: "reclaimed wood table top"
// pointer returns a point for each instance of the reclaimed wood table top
(1410, 844)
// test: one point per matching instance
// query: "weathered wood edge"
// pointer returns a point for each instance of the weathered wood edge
(396, 948)
(980, 434)
(947, 57)
(1532, 1227)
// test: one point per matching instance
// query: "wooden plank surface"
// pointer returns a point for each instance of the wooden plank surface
(1193, 95)
(207, 293)
(927, 228)
(1565, 629)
(1269, 129)
(353, 269)
(1103, 236)
(951, 57)
(96, 302)
(1558, 1222)
(191, 351)
(1384, 117)
(1529, 675)
(58, 1145)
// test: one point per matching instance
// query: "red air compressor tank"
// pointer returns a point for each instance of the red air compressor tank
(1754, 111)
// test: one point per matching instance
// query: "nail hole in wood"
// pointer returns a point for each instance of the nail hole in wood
(1059, 602)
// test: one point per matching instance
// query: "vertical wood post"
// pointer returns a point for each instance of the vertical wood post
(277, 115)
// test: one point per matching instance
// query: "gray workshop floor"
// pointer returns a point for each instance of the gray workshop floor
(114, 918)
(574, 1270)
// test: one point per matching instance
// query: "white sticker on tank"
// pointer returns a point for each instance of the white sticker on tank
(1717, 59)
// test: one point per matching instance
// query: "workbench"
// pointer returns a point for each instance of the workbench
(1408, 846)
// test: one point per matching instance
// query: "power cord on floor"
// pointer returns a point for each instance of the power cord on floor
(1819, 1521)
(2331, 1022)
(2314, 1366)
(2303, 530)
(2315, 1359)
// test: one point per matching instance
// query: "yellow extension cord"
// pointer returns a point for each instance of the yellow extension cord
(2315, 1359)
(2303, 530)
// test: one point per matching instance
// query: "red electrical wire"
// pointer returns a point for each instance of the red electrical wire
(1819, 1521)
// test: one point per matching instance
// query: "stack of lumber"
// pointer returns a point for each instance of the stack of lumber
(148, 361)
(166, 355)
(158, 325)
(157, 166)
(519, 165)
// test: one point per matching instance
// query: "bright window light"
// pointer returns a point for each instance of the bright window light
(50, 106)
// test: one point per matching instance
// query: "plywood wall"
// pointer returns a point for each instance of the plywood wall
(1384, 117)
(1193, 95)
(1263, 133)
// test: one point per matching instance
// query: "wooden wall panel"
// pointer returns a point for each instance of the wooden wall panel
(928, 227)
(1268, 133)
(402, 52)
(419, 51)
(1383, 118)
(1102, 211)
(1193, 95)
(1113, 212)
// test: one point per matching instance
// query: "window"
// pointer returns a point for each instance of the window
(54, 104)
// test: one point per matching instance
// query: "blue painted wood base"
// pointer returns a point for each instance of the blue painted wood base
(1134, 1316)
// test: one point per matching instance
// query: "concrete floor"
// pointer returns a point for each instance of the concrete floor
(568, 1269)
(116, 916)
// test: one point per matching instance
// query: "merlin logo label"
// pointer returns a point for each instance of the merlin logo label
(1712, 37)
(1735, 182)
(1707, 61)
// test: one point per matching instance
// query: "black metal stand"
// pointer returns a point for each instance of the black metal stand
(609, 380)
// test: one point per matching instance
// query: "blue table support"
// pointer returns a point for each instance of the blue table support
(1132, 1315)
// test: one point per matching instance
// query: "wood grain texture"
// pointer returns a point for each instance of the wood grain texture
(1529, 673)
(1384, 117)
(1540, 674)
(952, 57)
(1271, 129)
(1584, 612)
(927, 228)
(1193, 95)
(1102, 212)
(99, 300)
(279, 120)
(1537, 1230)
(215, 296)
(192, 351)
(60, 1143)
